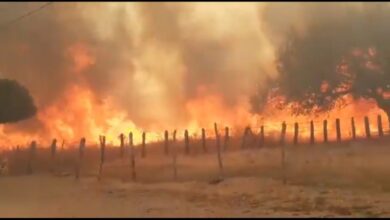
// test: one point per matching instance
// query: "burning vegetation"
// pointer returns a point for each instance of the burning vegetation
(151, 67)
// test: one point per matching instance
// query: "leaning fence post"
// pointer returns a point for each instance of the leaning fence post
(102, 152)
(325, 131)
(218, 150)
(311, 132)
(296, 132)
(367, 127)
(353, 128)
(122, 146)
(226, 140)
(166, 144)
(143, 154)
(31, 158)
(338, 130)
(186, 142)
(380, 128)
(132, 157)
(282, 143)
(204, 140)
(80, 159)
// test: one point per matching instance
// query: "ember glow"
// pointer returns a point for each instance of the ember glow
(110, 68)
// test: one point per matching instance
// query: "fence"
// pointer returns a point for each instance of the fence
(224, 140)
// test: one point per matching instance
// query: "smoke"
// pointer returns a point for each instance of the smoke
(152, 59)
(312, 40)
(191, 55)
(148, 59)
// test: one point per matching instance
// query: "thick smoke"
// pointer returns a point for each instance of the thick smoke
(149, 58)
(312, 40)
(37, 52)
(191, 54)
(152, 59)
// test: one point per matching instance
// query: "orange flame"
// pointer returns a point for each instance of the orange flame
(78, 113)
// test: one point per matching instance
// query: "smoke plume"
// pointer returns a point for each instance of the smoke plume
(313, 40)
(154, 61)
(149, 59)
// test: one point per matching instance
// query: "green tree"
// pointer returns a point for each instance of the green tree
(15, 102)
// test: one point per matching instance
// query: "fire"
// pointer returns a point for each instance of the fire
(79, 113)
(358, 109)
(209, 108)
(81, 57)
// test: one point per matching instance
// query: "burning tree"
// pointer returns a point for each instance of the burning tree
(15, 102)
(330, 61)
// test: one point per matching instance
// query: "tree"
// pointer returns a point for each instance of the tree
(330, 61)
(15, 102)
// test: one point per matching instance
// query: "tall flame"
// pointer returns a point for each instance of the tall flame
(79, 112)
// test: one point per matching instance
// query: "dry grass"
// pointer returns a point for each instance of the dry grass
(346, 179)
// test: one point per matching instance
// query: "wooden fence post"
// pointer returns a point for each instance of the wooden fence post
(166, 144)
(53, 148)
(80, 159)
(17, 152)
(338, 130)
(325, 131)
(380, 128)
(31, 158)
(296, 132)
(174, 136)
(221, 172)
(244, 137)
(282, 143)
(204, 140)
(367, 127)
(353, 128)
(143, 153)
(283, 133)
(174, 156)
(186, 142)
(62, 145)
(311, 132)
(226, 140)
(261, 141)
(102, 154)
(132, 157)
(122, 146)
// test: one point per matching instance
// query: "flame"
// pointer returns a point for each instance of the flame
(272, 120)
(79, 113)
(209, 108)
(81, 56)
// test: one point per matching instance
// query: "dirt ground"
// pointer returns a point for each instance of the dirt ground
(351, 179)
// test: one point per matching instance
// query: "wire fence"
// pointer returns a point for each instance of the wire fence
(77, 154)
(269, 127)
